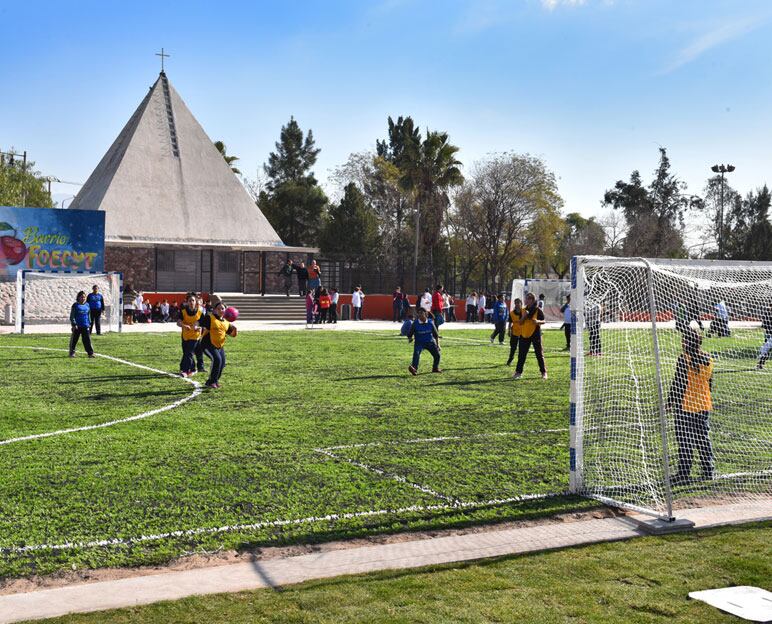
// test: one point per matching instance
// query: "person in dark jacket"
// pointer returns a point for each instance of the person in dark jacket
(80, 319)
(286, 272)
(766, 348)
(96, 305)
(302, 272)
(691, 403)
(499, 319)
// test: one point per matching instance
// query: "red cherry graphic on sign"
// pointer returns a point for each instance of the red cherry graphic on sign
(12, 250)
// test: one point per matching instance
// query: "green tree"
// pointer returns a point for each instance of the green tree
(749, 230)
(21, 185)
(228, 159)
(351, 229)
(578, 236)
(429, 170)
(293, 202)
(654, 214)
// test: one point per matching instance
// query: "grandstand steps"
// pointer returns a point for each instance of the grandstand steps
(267, 308)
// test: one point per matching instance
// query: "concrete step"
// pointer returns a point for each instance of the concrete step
(271, 308)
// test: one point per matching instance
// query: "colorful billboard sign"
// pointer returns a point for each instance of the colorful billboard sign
(50, 239)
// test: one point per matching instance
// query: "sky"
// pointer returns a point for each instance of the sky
(594, 87)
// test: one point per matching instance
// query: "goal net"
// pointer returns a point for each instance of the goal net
(554, 292)
(671, 393)
(45, 297)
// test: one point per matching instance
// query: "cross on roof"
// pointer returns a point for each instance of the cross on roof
(162, 55)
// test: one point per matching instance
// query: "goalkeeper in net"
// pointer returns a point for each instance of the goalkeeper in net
(691, 402)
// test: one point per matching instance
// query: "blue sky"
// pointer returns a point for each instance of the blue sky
(593, 86)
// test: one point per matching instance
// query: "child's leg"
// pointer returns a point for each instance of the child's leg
(567, 330)
(538, 349)
(186, 363)
(215, 355)
(74, 339)
(513, 342)
(702, 442)
(523, 347)
(432, 348)
(417, 355)
(683, 438)
(86, 337)
(199, 353)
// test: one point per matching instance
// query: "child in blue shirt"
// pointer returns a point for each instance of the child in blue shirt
(426, 337)
(96, 303)
(499, 319)
(80, 319)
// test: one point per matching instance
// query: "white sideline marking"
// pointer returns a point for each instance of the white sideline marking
(277, 523)
(196, 391)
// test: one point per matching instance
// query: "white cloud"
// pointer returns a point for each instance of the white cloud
(709, 40)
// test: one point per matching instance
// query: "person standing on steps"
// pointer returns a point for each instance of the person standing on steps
(302, 272)
(286, 272)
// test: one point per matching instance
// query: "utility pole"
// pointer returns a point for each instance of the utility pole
(722, 169)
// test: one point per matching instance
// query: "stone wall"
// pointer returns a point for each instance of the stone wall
(136, 263)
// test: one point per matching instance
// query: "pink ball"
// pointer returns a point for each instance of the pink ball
(230, 314)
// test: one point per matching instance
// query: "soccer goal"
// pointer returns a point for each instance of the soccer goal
(45, 297)
(653, 429)
(554, 291)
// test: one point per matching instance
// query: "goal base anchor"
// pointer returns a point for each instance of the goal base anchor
(658, 526)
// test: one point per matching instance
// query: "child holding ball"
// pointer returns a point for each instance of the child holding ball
(213, 341)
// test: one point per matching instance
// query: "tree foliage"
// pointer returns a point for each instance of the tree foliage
(654, 214)
(293, 202)
(351, 230)
(21, 185)
(749, 232)
(228, 159)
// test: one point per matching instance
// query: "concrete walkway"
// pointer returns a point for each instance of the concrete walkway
(87, 597)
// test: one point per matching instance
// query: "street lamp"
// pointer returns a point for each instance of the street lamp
(722, 169)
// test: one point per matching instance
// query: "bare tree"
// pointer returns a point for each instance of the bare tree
(496, 207)
(615, 227)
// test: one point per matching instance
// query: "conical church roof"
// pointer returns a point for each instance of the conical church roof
(163, 182)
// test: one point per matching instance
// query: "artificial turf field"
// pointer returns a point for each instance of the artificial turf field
(313, 436)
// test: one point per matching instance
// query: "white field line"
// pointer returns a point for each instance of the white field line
(196, 391)
(388, 475)
(275, 523)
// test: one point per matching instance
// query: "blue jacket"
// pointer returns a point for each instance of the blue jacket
(79, 315)
(95, 301)
(500, 312)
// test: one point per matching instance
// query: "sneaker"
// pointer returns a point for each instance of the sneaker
(210, 385)
(201, 370)
(491, 340)
(544, 375)
(72, 354)
(183, 374)
(413, 370)
(517, 375)
(91, 355)
(436, 370)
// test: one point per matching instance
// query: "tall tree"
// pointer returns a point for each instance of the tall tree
(713, 196)
(749, 230)
(579, 236)
(429, 170)
(228, 159)
(351, 230)
(293, 202)
(21, 185)
(654, 214)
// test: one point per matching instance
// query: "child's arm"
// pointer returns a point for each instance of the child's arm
(411, 332)
(678, 387)
(72, 315)
(232, 331)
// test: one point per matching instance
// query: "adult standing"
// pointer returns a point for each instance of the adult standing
(481, 306)
(314, 276)
(334, 305)
(302, 272)
(426, 301)
(530, 334)
(437, 304)
(139, 307)
(357, 299)
(286, 272)
(471, 308)
(396, 304)
(96, 305)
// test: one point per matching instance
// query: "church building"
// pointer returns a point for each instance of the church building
(176, 217)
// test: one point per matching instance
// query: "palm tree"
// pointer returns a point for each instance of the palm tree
(228, 159)
(429, 169)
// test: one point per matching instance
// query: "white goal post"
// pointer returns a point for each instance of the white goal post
(658, 424)
(45, 297)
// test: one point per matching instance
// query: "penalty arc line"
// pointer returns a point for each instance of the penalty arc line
(197, 389)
